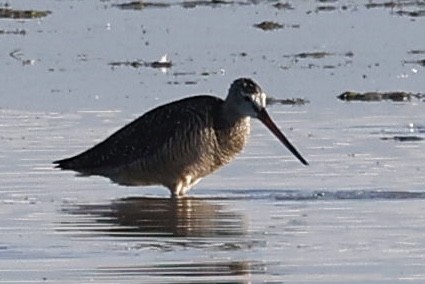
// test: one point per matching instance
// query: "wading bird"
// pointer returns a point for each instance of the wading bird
(178, 143)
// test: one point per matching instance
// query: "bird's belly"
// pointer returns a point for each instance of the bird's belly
(167, 174)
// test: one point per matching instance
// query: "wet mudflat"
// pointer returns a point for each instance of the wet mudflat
(355, 215)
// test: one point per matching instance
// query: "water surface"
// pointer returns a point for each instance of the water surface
(355, 215)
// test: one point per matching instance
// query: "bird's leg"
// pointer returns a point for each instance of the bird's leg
(189, 184)
(183, 186)
(175, 190)
(179, 188)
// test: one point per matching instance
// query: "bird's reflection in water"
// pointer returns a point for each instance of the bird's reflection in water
(197, 272)
(148, 217)
(168, 225)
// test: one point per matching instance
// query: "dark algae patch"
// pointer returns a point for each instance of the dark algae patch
(320, 59)
(283, 6)
(140, 5)
(142, 63)
(418, 13)
(415, 53)
(325, 8)
(13, 32)
(380, 96)
(211, 3)
(404, 138)
(401, 7)
(292, 101)
(315, 55)
(318, 55)
(418, 62)
(9, 13)
(389, 4)
(268, 26)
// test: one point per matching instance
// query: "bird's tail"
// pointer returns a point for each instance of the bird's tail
(66, 164)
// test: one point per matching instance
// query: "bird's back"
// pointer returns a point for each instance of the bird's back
(185, 135)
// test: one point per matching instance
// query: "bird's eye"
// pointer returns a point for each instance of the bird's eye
(247, 99)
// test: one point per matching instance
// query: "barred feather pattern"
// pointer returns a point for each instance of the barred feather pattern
(174, 145)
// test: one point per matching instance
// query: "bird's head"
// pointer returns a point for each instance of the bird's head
(246, 98)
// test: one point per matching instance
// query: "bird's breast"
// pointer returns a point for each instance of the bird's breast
(232, 139)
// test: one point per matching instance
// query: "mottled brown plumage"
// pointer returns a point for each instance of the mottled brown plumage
(177, 144)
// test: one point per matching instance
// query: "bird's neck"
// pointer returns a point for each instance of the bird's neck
(229, 116)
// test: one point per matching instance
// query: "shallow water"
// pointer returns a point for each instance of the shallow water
(355, 215)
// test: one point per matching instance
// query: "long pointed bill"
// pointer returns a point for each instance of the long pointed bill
(264, 117)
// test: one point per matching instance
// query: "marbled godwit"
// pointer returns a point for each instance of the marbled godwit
(178, 143)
